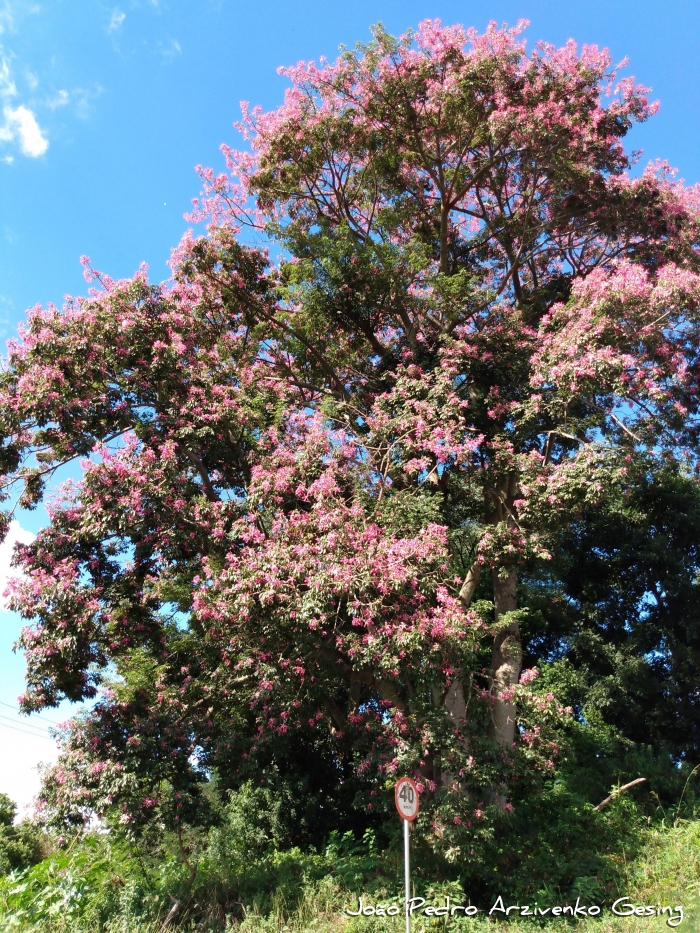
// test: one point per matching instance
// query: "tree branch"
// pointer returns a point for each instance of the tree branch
(616, 792)
(471, 581)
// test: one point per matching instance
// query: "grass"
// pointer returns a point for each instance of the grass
(668, 873)
(665, 870)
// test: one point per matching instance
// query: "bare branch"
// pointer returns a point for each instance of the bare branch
(616, 792)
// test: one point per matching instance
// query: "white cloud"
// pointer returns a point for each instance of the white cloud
(80, 99)
(117, 19)
(15, 535)
(6, 17)
(83, 98)
(169, 49)
(60, 99)
(21, 125)
(13, 10)
(8, 88)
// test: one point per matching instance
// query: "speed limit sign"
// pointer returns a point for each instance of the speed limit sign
(406, 798)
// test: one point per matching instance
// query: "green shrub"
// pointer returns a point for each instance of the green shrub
(21, 845)
(550, 850)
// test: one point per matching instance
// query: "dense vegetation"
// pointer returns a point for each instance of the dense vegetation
(411, 490)
(248, 878)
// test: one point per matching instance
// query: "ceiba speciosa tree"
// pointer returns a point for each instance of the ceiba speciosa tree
(301, 463)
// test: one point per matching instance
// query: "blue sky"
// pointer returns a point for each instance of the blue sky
(107, 107)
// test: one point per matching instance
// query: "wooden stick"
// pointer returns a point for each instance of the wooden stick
(616, 792)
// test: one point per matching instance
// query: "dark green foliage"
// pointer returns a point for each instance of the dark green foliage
(621, 602)
(8, 811)
(21, 845)
(551, 849)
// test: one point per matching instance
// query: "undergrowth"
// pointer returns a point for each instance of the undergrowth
(101, 885)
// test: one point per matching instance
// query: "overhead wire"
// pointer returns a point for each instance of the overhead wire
(26, 725)
(34, 735)
(15, 709)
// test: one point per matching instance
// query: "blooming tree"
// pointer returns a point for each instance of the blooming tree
(309, 482)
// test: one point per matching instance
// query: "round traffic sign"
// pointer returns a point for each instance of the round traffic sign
(406, 799)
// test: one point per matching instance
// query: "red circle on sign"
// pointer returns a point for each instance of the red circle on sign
(406, 799)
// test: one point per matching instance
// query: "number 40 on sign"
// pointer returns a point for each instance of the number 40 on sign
(406, 796)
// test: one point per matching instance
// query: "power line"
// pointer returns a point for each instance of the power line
(34, 735)
(22, 725)
(16, 710)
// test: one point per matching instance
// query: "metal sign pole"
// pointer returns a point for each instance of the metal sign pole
(407, 871)
(407, 803)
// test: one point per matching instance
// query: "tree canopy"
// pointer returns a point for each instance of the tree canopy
(337, 489)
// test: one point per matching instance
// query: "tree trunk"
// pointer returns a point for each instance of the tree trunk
(178, 902)
(454, 699)
(506, 659)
